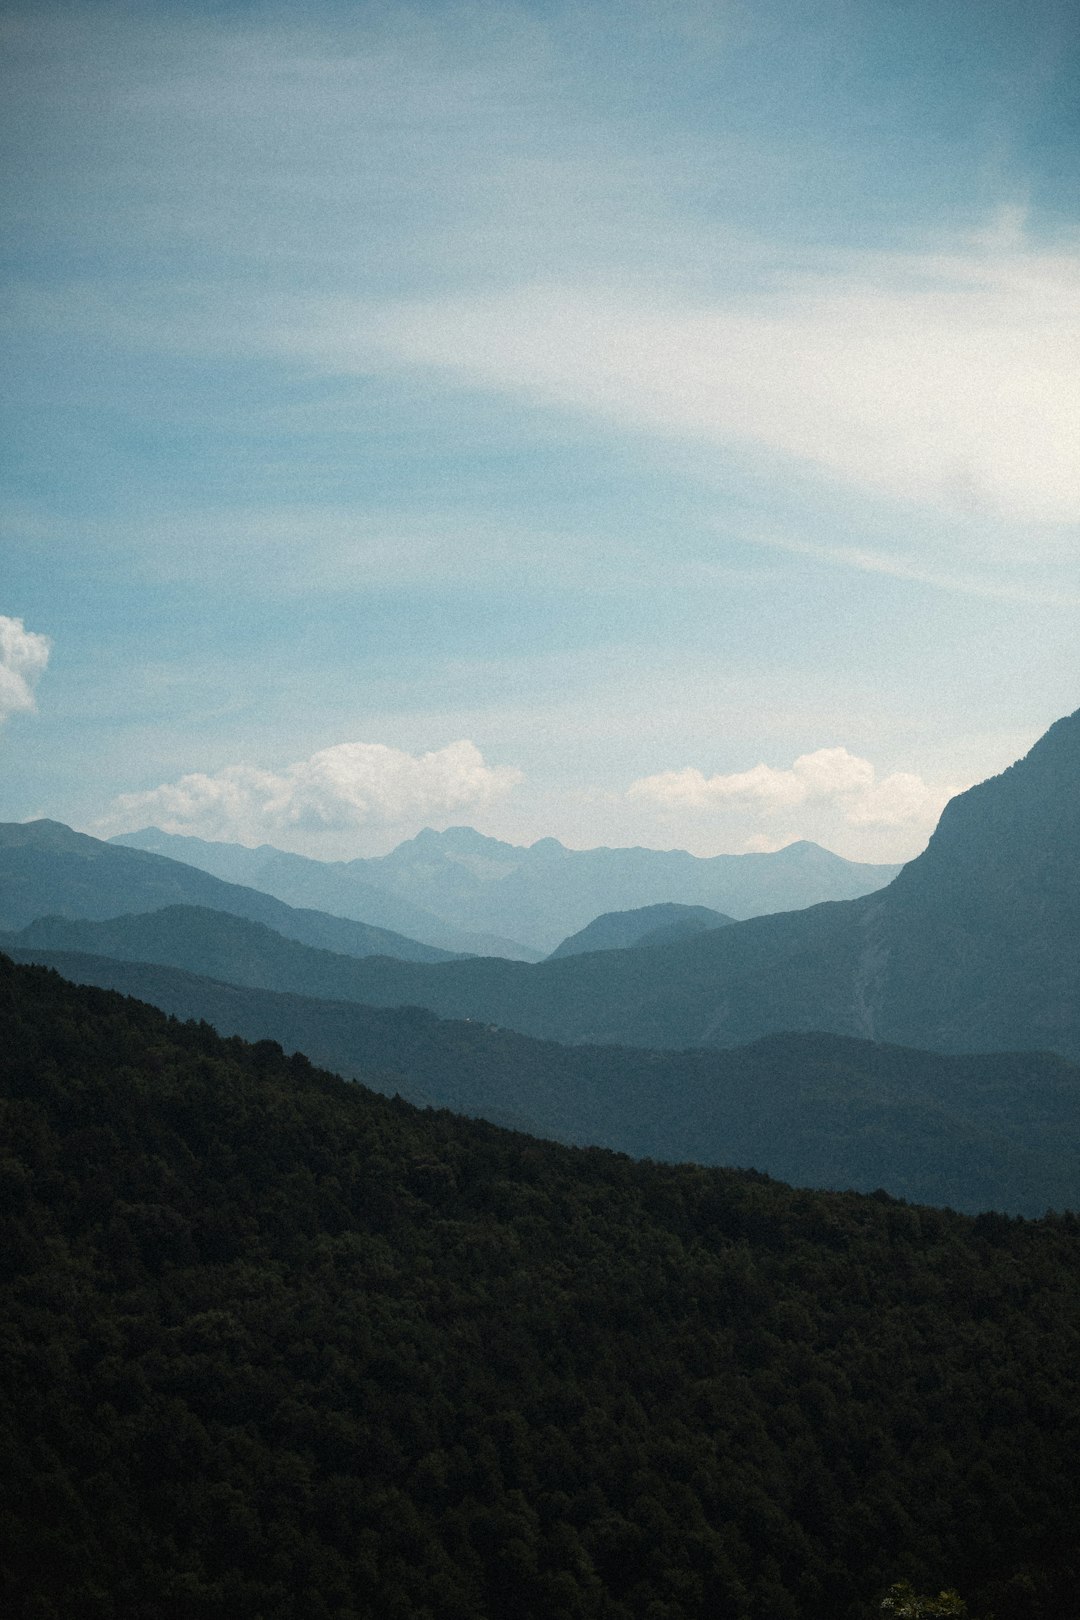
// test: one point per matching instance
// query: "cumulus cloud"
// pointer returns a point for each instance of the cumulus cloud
(829, 775)
(353, 784)
(23, 656)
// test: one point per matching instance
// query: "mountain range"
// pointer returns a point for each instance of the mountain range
(341, 888)
(48, 869)
(482, 888)
(969, 1132)
(974, 946)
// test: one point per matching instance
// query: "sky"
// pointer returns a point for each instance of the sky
(635, 424)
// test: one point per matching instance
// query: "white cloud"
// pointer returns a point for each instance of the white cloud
(348, 786)
(829, 775)
(23, 657)
(899, 800)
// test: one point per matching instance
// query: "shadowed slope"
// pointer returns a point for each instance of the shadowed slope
(1000, 1131)
(48, 869)
(276, 1348)
(976, 945)
(646, 925)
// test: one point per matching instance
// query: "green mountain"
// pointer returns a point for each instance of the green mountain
(276, 1348)
(542, 893)
(975, 946)
(647, 925)
(47, 869)
(339, 887)
(972, 1133)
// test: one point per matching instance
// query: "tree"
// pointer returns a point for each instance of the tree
(903, 1601)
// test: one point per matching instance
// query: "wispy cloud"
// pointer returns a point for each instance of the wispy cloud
(921, 573)
(23, 657)
(947, 381)
(351, 785)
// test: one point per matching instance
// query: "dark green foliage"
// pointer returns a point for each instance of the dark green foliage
(275, 1346)
(905, 1603)
(1001, 1131)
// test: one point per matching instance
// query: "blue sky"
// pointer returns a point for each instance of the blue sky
(640, 423)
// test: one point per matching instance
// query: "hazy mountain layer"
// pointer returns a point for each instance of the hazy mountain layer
(275, 1348)
(198, 940)
(47, 869)
(553, 891)
(539, 894)
(974, 946)
(647, 925)
(338, 887)
(974, 1133)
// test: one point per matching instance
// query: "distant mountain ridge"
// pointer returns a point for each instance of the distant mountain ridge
(49, 869)
(975, 946)
(338, 887)
(539, 894)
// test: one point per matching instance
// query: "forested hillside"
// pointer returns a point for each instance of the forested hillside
(998, 1131)
(277, 1347)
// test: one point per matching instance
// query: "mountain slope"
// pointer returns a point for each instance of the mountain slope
(974, 946)
(974, 1133)
(646, 925)
(541, 893)
(553, 891)
(197, 940)
(338, 887)
(280, 1349)
(47, 869)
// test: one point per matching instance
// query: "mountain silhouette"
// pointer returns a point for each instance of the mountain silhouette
(645, 925)
(339, 887)
(460, 889)
(974, 946)
(996, 1131)
(47, 869)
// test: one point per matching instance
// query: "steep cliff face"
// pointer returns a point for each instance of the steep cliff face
(983, 930)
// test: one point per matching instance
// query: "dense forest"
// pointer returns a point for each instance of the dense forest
(276, 1346)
